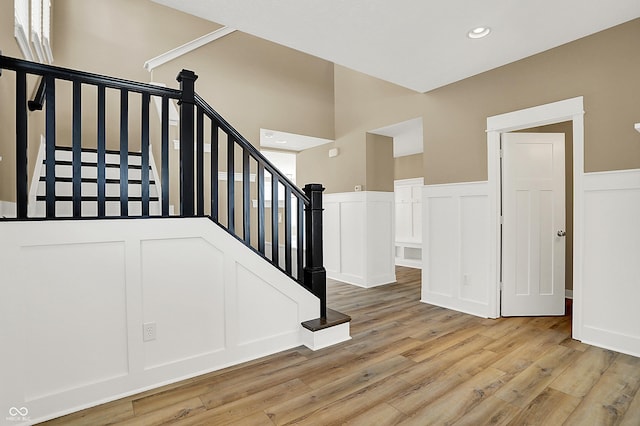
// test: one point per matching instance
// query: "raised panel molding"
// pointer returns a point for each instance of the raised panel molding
(75, 294)
(358, 233)
(455, 272)
(611, 272)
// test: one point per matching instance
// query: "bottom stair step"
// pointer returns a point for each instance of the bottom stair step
(333, 318)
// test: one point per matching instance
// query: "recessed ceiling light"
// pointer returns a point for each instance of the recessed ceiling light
(479, 32)
(280, 141)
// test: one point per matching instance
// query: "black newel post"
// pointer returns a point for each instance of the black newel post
(187, 101)
(315, 276)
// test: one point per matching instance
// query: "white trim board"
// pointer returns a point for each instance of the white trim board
(556, 112)
(172, 54)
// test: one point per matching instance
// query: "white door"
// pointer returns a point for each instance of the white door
(533, 231)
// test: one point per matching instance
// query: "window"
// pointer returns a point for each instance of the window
(33, 29)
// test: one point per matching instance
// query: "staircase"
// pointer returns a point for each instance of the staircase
(233, 274)
(89, 185)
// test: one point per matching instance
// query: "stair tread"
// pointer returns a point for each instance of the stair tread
(333, 318)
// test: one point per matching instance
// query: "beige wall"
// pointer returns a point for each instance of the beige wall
(251, 82)
(603, 68)
(379, 163)
(407, 167)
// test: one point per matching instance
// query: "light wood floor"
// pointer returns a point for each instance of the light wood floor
(408, 363)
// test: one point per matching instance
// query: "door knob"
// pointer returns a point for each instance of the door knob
(561, 233)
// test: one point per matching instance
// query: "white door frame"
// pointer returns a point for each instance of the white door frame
(556, 112)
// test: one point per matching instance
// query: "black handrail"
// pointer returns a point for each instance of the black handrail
(301, 209)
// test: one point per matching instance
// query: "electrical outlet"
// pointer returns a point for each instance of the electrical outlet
(148, 331)
(465, 279)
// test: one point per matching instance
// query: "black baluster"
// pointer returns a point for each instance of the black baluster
(261, 223)
(300, 236)
(275, 253)
(287, 229)
(246, 197)
(214, 171)
(165, 156)
(50, 131)
(231, 219)
(124, 152)
(76, 150)
(200, 162)
(22, 176)
(102, 178)
(144, 151)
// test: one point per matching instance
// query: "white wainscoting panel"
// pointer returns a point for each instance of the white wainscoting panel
(86, 330)
(610, 289)
(455, 271)
(166, 280)
(359, 237)
(75, 295)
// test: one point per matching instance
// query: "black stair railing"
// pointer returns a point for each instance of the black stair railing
(258, 204)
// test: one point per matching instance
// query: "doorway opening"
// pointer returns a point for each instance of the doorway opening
(570, 110)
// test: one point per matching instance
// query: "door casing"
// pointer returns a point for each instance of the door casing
(556, 112)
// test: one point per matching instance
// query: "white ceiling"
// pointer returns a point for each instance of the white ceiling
(407, 137)
(284, 141)
(418, 44)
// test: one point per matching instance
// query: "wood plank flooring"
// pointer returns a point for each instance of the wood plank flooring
(408, 363)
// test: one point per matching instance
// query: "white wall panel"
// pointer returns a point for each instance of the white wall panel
(358, 230)
(441, 242)
(610, 288)
(186, 325)
(78, 319)
(455, 271)
(262, 323)
(474, 256)
(331, 237)
(352, 239)
(75, 295)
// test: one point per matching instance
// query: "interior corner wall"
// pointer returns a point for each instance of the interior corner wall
(379, 157)
(408, 167)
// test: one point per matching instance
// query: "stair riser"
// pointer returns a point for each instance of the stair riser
(92, 172)
(93, 157)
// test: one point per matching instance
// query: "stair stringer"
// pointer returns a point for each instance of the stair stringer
(76, 294)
